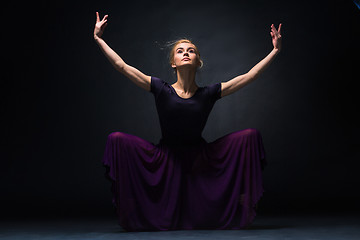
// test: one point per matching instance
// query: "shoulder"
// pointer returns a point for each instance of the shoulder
(155, 81)
(156, 85)
(214, 87)
(214, 90)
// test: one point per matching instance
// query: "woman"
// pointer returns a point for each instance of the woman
(184, 182)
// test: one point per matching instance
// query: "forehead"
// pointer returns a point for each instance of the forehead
(185, 45)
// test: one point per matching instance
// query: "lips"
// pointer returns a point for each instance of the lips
(185, 59)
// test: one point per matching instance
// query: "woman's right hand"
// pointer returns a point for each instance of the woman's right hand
(100, 26)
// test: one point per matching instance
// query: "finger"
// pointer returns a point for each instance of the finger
(97, 17)
(273, 28)
(279, 28)
(273, 33)
(105, 17)
(102, 24)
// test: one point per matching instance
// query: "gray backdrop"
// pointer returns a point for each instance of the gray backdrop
(61, 97)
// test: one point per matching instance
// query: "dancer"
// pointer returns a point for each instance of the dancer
(185, 182)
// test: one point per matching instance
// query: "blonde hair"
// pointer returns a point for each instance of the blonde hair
(172, 51)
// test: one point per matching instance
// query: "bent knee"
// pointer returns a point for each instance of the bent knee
(247, 132)
(115, 136)
(250, 131)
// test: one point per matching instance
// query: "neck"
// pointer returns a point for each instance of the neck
(186, 80)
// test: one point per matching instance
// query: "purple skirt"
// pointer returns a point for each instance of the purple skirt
(212, 185)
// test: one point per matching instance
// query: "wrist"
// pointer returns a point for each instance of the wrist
(96, 38)
(276, 50)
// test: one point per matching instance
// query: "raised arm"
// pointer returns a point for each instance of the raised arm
(240, 81)
(139, 78)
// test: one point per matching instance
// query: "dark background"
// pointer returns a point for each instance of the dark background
(60, 97)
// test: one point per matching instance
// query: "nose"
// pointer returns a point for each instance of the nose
(186, 53)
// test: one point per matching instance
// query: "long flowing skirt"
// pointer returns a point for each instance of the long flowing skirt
(212, 185)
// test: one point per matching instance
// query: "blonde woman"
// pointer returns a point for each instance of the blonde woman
(185, 182)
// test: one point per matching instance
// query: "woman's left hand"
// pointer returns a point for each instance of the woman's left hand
(276, 37)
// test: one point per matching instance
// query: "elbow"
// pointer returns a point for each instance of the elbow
(251, 76)
(120, 66)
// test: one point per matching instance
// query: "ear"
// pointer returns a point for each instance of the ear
(200, 63)
(173, 65)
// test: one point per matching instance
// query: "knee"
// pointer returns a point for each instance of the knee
(249, 132)
(117, 136)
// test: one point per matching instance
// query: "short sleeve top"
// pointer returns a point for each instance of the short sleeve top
(183, 119)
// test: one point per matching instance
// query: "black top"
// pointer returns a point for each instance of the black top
(182, 120)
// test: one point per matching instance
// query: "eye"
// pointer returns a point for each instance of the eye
(179, 51)
(191, 50)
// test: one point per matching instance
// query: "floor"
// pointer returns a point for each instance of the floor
(264, 227)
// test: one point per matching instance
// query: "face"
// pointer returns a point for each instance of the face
(185, 55)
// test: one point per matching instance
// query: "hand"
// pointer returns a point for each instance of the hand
(100, 26)
(276, 37)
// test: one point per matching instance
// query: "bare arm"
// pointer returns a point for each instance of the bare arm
(240, 81)
(136, 76)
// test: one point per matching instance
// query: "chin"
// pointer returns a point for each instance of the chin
(187, 66)
(188, 63)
